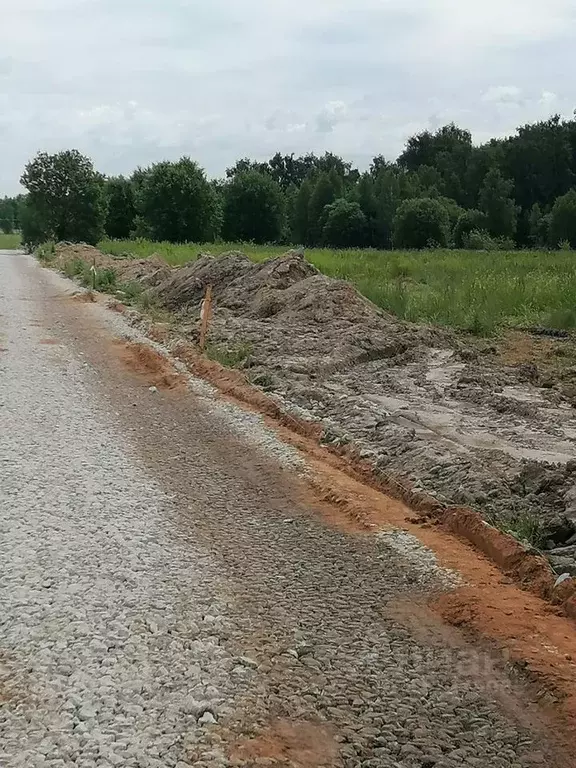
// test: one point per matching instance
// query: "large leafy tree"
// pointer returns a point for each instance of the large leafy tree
(365, 196)
(32, 226)
(538, 227)
(301, 219)
(65, 198)
(448, 151)
(290, 171)
(392, 186)
(496, 201)
(8, 215)
(245, 164)
(388, 192)
(328, 187)
(254, 208)
(345, 225)
(453, 210)
(335, 166)
(121, 208)
(290, 197)
(539, 162)
(176, 202)
(421, 223)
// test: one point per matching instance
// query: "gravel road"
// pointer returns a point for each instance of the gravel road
(169, 598)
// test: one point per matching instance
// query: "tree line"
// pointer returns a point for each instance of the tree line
(442, 191)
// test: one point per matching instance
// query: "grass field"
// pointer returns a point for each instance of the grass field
(471, 290)
(7, 242)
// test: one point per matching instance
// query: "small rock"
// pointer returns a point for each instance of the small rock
(246, 661)
(191, 706)
(86, 712)
(152, 389)
(207, 718)
(304, 650)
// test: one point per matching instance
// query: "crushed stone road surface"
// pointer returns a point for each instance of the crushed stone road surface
(168, 598)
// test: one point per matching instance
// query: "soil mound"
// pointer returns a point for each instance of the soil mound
(238, 284)
(286, 289)
(315, 299)
(186, 286)
(325, 323)
(67, 252)
(148, 272)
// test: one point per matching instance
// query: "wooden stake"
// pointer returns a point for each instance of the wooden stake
(93, 273)
(205, 316)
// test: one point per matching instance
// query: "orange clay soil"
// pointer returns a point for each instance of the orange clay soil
(299, 744)
(146, 362)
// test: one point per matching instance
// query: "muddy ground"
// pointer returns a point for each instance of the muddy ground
(485, 423)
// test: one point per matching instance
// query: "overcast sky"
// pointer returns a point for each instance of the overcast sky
(130, 82)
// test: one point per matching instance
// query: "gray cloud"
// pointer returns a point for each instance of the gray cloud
(130, 82)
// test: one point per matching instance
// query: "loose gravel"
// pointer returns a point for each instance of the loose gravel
(165, 591)
(109, 649)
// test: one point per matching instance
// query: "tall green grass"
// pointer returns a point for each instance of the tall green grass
(477, 291)
(177, 255)
(9, 242)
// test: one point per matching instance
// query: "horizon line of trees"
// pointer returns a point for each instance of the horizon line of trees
(442, 191)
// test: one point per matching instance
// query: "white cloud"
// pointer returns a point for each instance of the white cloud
(132, 81)
(330, 115)
(503, 94)
(548, 99)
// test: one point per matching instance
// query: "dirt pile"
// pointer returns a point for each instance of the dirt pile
(186, 286)
(307, 322)
(238, 284)
(69, 252)
(287, 287)
(147, 272)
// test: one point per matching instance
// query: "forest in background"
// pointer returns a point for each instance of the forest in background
(441, 192)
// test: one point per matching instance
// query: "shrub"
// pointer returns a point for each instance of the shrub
(563, 220)
(345, 225)
(46, 252)
(481, 240)
(468, 222)
(420, 221)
